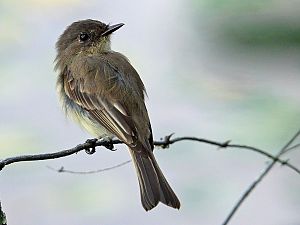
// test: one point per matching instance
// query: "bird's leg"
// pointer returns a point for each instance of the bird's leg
(91, 150)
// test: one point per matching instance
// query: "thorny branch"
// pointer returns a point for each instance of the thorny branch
(165, 143)
(90, 145)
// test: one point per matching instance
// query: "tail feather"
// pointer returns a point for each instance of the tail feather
(154, 187)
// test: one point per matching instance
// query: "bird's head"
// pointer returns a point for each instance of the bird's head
(84, 36)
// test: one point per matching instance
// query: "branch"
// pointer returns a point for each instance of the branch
(165, 143)
(259, 179)
(292, 148)
(86, 146)
(2, 217)
(63, 170)
(90, 145)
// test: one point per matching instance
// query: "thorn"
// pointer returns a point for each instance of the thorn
(168, 137)
(167, 140)
(283, 163)
(225, 144)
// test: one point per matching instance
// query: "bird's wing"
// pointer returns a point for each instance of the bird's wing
(99, 86)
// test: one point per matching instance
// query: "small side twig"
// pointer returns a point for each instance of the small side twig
(292, 148)
(63, 170)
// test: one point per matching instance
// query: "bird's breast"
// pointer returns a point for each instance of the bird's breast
(81, 116)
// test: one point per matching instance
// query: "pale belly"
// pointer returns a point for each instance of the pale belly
(82, 117)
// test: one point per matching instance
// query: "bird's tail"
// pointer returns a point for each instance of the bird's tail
(154, 187)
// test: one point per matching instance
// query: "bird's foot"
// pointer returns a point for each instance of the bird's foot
(108, 143)
(91, 150)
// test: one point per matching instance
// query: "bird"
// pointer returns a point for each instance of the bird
(100, 89)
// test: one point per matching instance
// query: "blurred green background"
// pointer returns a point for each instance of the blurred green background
(217, 69)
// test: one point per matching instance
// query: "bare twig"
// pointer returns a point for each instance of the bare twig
(165, 143)
(259, 179)
(63, 170)
(292, 148)
(2, 217)
(90, 146)
(55, 155)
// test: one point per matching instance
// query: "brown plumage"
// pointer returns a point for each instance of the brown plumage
(102, 91)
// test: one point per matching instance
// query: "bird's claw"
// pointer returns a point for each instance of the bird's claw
(108, 143)
(91, 150)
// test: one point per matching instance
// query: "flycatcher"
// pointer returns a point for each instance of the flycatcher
(100, 89)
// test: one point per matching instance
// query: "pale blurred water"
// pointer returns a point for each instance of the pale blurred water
(205, 76)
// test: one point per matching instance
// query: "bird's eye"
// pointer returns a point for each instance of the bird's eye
(83, 36)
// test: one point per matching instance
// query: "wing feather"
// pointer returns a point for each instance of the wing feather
(94, 88)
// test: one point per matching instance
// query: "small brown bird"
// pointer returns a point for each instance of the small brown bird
(100, 90)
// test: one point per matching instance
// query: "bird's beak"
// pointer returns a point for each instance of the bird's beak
(112, 29)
